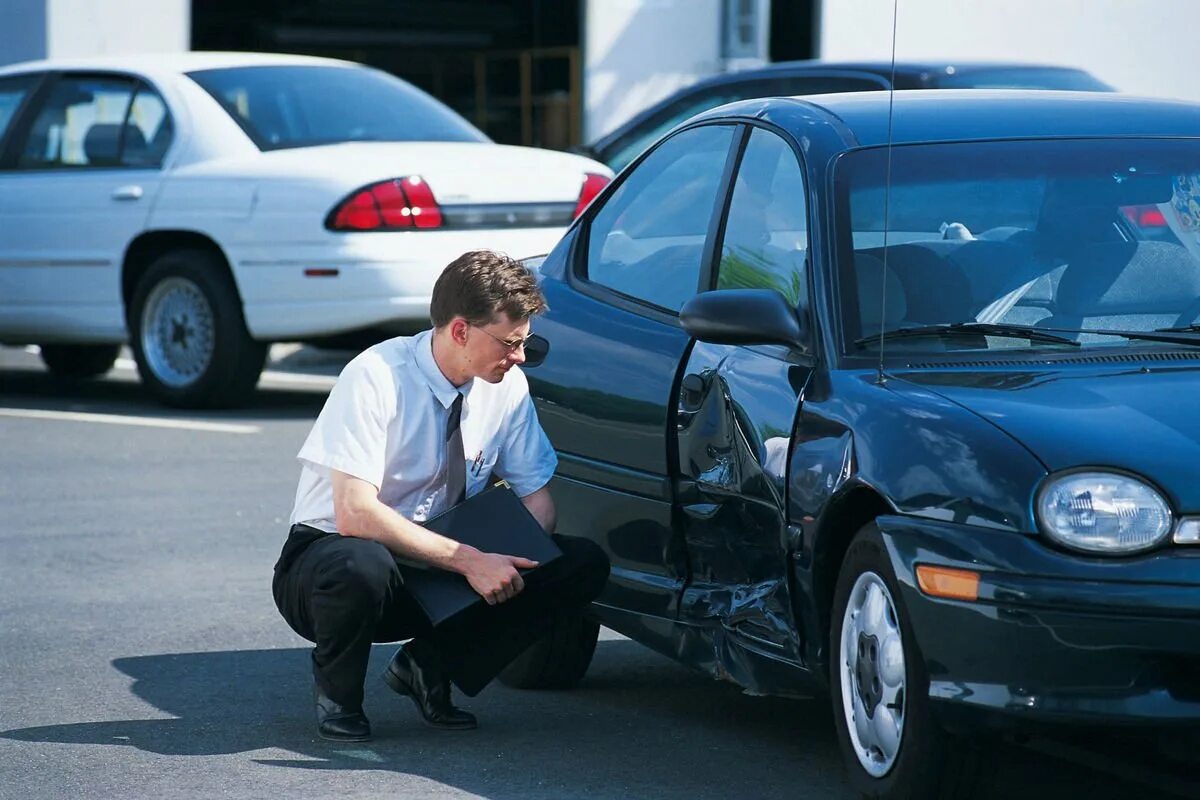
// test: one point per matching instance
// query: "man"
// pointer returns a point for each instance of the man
(412, 426)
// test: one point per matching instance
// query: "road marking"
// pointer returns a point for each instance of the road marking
(121, 419)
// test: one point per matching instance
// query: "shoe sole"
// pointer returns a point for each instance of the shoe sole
(399, 687)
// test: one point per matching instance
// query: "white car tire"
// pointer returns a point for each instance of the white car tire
(79, 361)
(188, 334)
(891, 743)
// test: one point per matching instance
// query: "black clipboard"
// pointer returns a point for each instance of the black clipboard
(494, 521)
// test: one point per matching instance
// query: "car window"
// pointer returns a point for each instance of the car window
(13, 92)
(766, 232)
(301, 106)
(647, 240)
(80, 124)
(629, 148)
(148, 130)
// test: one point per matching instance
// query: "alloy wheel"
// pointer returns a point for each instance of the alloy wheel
(871, 660)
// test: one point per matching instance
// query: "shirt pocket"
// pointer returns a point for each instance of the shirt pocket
(479, 468)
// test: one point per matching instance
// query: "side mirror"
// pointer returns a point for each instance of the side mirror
(536, 350)
(742, 316)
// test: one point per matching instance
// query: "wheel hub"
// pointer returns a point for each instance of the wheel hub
(178, 334)
(866, 673)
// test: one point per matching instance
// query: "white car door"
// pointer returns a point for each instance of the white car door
(77, 180)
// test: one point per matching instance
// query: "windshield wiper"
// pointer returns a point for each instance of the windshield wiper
(1193, 328)
(971, 329)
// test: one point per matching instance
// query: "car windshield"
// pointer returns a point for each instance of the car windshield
(1072, 237)
(301, 106)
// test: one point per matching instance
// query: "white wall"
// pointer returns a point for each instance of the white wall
(31, 29)
(1138, 46)
(639, 51)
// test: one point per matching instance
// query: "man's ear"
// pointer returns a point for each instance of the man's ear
(458, 330)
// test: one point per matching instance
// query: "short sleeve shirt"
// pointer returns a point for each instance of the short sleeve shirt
(385, 423)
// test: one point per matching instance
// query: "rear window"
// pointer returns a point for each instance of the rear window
(301, 106)
(1055, 78)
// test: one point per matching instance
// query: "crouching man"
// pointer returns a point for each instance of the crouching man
(413, 426)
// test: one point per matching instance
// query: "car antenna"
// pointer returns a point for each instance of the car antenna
(881, 378)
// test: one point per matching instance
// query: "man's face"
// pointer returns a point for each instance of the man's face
(493, 349)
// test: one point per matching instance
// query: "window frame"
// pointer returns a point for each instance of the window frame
(18, 133)
(804, 314)
(16, 128)
(577, 272)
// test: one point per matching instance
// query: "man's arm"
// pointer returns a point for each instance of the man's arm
(358, 512)
(541, 506)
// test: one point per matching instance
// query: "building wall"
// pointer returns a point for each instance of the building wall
(638, 51)
(1138, 46)
(35, 29)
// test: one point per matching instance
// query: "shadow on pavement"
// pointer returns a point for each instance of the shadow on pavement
(24, 388)
(639, 726)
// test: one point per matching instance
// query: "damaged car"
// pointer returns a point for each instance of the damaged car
(897, 405)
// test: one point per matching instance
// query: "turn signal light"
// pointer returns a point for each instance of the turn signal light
(592, 184)
(399, 204)
(954, 584)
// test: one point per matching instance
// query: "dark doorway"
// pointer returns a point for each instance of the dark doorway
(793, 30)
(511, 67)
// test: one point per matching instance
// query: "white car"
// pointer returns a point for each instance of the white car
(203, 205)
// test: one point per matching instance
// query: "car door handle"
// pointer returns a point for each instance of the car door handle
(130, 192)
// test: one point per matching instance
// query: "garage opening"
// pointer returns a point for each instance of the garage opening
(511, 67)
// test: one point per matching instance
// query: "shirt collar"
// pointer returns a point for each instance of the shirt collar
(441, 387)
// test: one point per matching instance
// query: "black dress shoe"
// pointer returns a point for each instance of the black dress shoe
(338, 723)
(414, 674)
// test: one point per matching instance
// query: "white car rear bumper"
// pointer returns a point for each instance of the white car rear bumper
(350, 281)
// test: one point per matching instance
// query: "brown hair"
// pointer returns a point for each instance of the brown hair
(478, 285)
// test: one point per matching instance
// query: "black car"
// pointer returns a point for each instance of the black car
(788, 78)
(910, 420)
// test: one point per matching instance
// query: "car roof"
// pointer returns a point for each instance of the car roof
(177, 62)
(927, 115)
(883, 69)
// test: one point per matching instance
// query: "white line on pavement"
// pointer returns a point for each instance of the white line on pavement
(121, 419)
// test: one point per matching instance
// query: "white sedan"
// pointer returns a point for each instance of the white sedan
(203, 205)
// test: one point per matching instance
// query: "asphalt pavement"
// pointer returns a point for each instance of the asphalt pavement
(141, 655)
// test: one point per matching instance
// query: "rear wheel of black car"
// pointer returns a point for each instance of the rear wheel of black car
(892, 745)
(79, 361)
(559, 659)
(188, 333)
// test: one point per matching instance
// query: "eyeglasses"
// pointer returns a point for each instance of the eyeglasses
(511, 346)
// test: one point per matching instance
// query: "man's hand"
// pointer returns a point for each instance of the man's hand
(494, 576)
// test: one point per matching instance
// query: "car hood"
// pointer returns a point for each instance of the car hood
(1134, 418)
(458, 172)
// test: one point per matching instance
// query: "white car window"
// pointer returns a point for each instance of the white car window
(80, 124)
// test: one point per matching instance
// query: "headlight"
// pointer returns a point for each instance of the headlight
(1103, 512)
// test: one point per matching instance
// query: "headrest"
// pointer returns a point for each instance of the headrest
(1129, 278)
(869, 273)
(102, 139)
(935, 288)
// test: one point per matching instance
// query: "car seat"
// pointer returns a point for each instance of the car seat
(1127, 285)
(102, 143)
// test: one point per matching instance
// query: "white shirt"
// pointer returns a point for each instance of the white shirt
(385, 422)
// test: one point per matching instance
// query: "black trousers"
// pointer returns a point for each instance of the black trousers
(344, 593)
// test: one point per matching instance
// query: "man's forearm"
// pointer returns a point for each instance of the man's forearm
(376, 521)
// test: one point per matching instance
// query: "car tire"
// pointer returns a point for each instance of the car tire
(79, 361)
(559, 659)
(921, 760)
(188, 334)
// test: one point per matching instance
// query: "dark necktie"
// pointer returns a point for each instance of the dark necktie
(456, 470)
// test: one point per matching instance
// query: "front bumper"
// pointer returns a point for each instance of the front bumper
(1053, 635)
